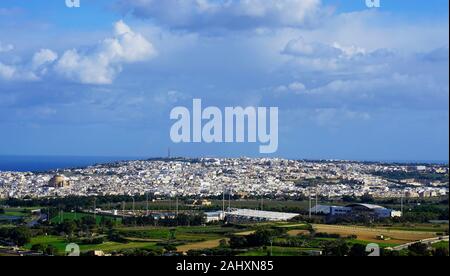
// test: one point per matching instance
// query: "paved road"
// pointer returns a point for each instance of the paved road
(426, 241)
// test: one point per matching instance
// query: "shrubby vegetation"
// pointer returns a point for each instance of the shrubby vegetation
(17, 235)
(179, 220)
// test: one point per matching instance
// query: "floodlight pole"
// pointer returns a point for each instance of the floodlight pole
(310, 204)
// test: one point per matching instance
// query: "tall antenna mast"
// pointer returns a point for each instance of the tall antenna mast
(317, 199)
(95, 208)
(401, 201)
(223, 199)
(123, 210)
(147, 204)
(310, 207)
(229, 198)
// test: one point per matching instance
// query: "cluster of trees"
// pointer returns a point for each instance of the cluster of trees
(179, 220)
(47, 249)
(86, 224)
(422, 250)
(140, 252)
(423, 214)
(367, 198)
(18, 235)
(341, 248)
(261, 237)
(420, 176)
(225, 252)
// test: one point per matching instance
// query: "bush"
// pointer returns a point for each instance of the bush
(19, 236)
(419, 249)
(328, 236)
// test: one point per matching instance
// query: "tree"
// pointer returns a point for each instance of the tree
(39, 247)
(107, 222)
(50, 250)
(238, 242)
(20, 236)
(418, 249)
(336, 248)
(259, 238)
(223, 243)
(367, 198)
(349, 198)
(88, 223)
(441, 252)
(358, 250)
(68, 227)
(170, 247)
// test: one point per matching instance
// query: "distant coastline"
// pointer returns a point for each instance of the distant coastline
(50, 163)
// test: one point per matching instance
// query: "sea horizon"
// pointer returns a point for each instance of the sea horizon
(45, 163)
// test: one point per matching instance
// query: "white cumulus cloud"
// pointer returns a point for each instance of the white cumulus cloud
(6, 47)
(43, 57)
(103, 62)
(99, 65)
(6, 71)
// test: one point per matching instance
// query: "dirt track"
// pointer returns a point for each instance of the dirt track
(370, 234)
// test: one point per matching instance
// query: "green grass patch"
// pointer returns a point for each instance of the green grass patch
(74, 216)
(60, 244)
(442, 244)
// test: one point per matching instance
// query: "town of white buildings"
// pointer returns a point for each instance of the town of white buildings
(243, 177)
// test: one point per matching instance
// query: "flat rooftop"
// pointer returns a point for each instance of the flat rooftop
(275, 216)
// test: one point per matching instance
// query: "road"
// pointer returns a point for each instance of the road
(426, 241)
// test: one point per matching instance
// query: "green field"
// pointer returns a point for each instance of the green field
(442, 244)
(277, 251)
(60, 244)
(78, 216)
(18, 212)
(183, 234)
(142, 238)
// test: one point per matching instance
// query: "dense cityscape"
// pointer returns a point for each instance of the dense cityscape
(242, 177)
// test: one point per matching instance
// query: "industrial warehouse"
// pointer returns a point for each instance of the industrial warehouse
(248, 215)
(356, 209)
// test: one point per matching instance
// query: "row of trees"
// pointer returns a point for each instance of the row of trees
(422, 250)
(179, 220)
(261, 237)
(86, 224)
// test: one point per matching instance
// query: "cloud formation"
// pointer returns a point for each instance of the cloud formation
(6, 47)
(103, 62)
(98, 65)
(226, 14)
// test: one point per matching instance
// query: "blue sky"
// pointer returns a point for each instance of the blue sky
(350, 82)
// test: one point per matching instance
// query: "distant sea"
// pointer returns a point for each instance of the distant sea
(48, 163)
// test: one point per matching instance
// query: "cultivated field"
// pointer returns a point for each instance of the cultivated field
(200, 245)
(371, 234)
